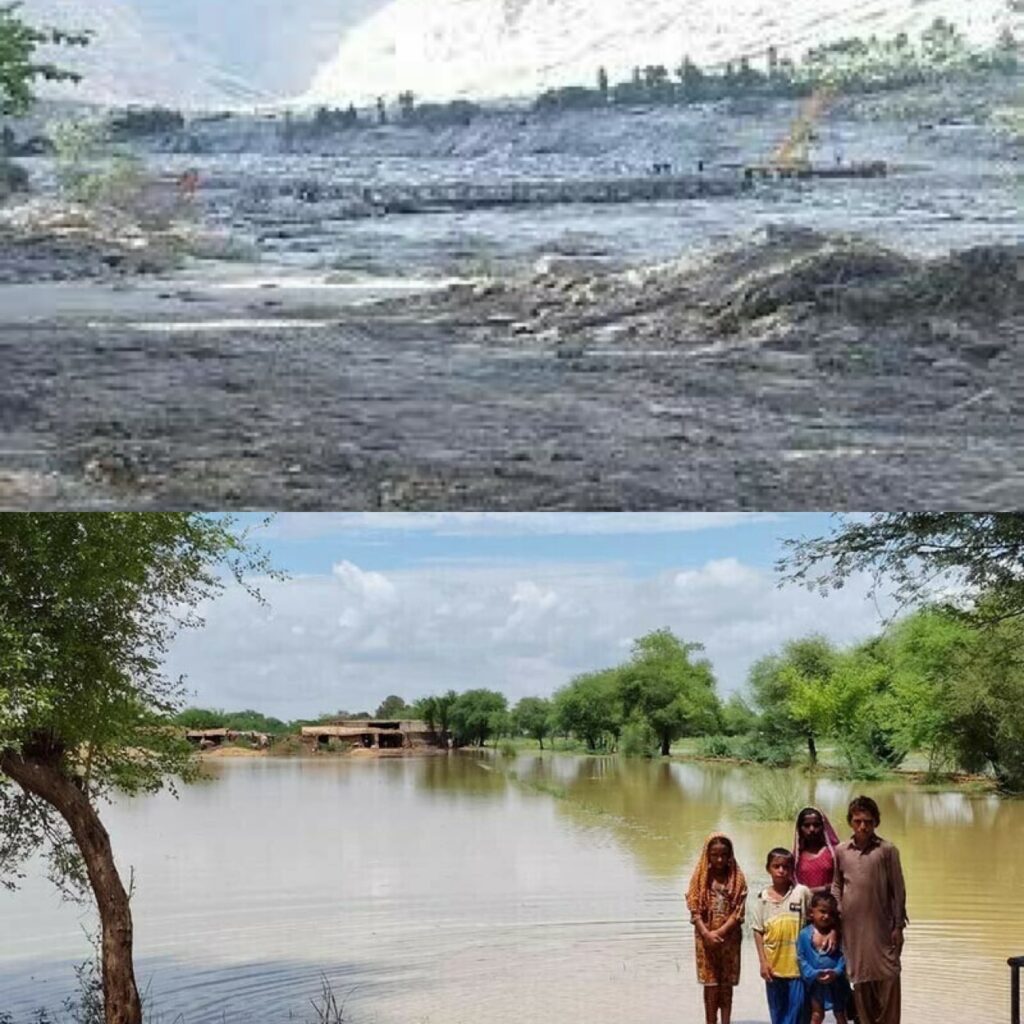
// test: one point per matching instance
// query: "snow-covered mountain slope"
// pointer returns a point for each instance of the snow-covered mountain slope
(275, 44)
(132, 60)
(487, 48)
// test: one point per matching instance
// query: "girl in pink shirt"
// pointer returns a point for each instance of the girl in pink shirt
(814, 844)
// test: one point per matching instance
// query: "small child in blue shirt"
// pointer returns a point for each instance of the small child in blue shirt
(824, 974)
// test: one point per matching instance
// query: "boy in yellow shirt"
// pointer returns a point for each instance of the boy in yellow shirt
(777, 918)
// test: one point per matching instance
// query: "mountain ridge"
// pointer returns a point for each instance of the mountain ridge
(447, 49)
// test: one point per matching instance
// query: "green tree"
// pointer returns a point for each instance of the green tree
(533, 716)
(853, 704)
(805, 665)
(392, 706)
(590, 707)
(88, 606)
(910, 553)
(663, 686)
(253, 721)
(738, 717)
(476, 715)
(602, 82)
(959, 691)
(986, 703)
(436, 711)
(924, 652)
(201, 718)
(19, 67)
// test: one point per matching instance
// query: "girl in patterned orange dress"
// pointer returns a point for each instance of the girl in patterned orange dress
(716, 899)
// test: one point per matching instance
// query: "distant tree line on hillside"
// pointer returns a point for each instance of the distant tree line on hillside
(850, 65)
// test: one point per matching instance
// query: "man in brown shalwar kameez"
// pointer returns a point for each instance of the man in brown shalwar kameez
(872, 902)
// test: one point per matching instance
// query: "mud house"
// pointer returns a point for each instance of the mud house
(207, 738)
(372, 734)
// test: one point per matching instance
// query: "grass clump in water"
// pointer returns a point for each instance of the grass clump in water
(774, 797)
(327, 1008)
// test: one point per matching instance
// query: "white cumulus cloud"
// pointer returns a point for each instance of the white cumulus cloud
(348, 639)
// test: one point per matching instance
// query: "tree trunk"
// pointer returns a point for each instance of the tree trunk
(666, 745)
(812, 750)
(43, 778)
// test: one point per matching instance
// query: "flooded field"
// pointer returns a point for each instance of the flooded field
(464, 888)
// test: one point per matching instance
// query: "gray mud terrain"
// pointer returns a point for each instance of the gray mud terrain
(799, 370)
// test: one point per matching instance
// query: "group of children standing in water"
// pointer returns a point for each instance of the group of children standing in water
(828, 930)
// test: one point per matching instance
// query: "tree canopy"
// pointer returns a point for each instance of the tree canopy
(477, 714)
(534, 716)
(392, 706)
(88, 606)
(786, 689)
(19, 66)
(665, 688)
(915, 553)
(591, 707)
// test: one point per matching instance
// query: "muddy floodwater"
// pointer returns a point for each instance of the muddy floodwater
(468, 888)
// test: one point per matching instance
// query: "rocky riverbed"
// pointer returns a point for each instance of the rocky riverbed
(842, 343)
(789, 369)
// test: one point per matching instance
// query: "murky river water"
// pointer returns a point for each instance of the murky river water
(950, 186)
(460, 889)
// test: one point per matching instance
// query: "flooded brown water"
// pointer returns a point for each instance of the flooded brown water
(468, 888)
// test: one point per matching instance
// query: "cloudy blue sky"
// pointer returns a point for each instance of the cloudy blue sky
(412, 603)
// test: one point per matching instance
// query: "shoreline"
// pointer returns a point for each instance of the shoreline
(963, 782)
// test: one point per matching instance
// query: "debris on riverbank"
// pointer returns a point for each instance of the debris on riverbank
(794, 368)
(49, 239)
(829, 297)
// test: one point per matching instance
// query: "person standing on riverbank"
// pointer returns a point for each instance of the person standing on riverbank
(872, 903)
(814, 846)
(778, 916)
(716, 899)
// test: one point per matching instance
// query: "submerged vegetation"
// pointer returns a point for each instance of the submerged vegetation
(775, 797)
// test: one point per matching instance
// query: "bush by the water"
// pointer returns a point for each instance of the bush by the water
(774, 796)
(638, 740)
(92, 172)
(719, 746)
(773, 751)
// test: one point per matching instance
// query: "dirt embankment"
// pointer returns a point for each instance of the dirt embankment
(794, 290)
(218, 753)
(789, 371)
